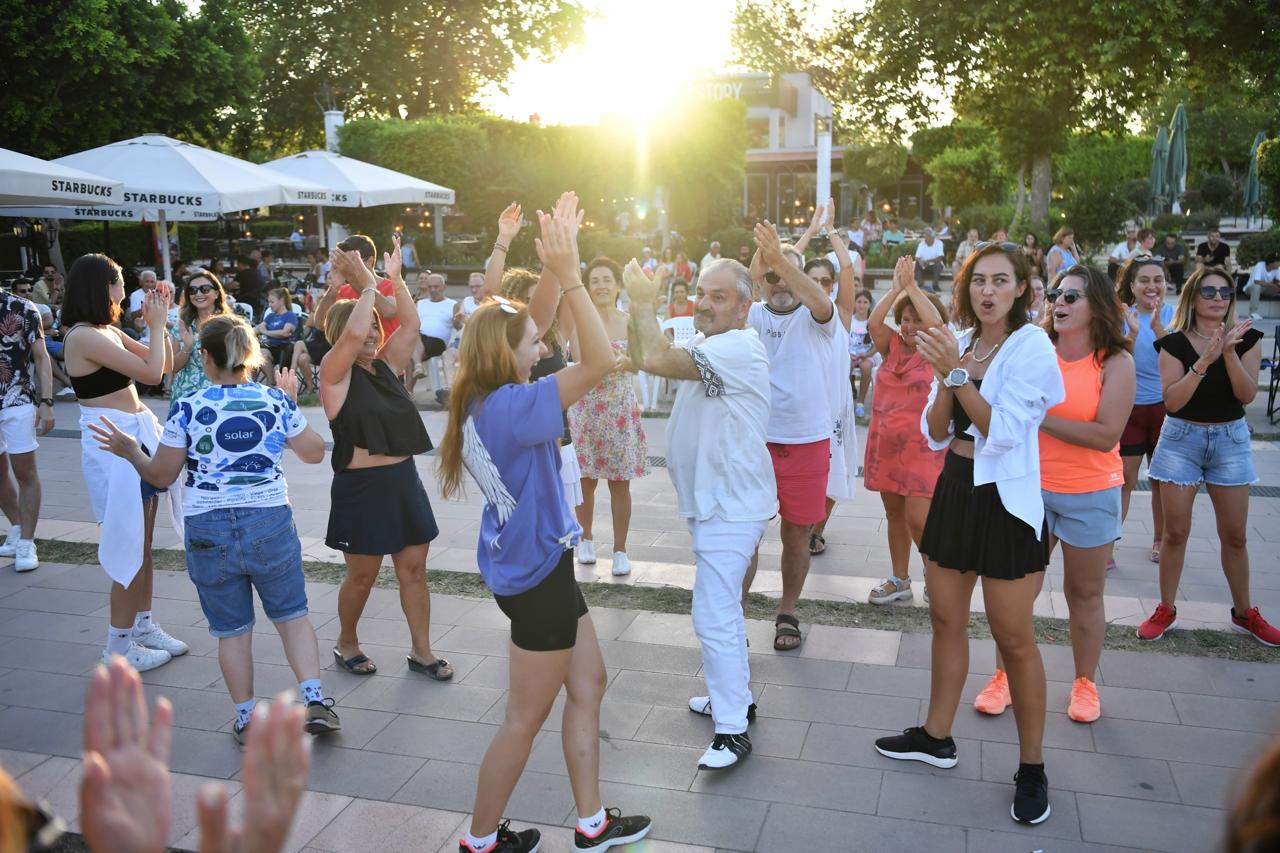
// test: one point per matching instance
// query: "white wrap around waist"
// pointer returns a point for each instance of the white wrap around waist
(115, 490)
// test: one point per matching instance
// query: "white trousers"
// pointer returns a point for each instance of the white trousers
(723, 551)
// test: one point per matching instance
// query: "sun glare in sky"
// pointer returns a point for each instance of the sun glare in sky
(634, 57)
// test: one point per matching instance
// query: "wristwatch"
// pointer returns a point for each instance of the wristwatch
(957, 377)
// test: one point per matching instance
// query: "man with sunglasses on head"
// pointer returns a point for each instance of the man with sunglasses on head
(796, 322)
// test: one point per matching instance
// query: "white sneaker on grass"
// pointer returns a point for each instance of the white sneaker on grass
(141, 658)
(10, 546)
(25, 558)
(158, 638)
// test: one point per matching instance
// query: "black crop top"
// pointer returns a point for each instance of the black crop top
(378, 415)
(1213, 401)
(960, 417)
(100, 383)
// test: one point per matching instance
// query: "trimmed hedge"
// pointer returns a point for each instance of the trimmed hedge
(1255, 247)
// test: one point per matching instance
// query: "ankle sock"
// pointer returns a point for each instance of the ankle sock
(142, 622)
(26, 543)
(118, 640)
(591, 825)
(15, 533)
(480, 844)
(311, 691)
(244, 710)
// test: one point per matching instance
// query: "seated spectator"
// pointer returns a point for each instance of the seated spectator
(680, 305)
(929, 259)
(1263, 278)
(963, 251)
(893, 235)
(1174, 254)
(1213, 252)
(276, 332)
(437, 314)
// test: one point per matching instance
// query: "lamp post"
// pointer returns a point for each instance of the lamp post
(21, 230)
(822, 132)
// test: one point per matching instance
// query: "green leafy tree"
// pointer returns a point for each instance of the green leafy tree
(1269, 175)
(929, 142)
(966, 176)
(90, 72)
(1222, 119)
(875, 162)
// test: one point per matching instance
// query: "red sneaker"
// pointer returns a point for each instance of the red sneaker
(1253, 623)
(1164, 619)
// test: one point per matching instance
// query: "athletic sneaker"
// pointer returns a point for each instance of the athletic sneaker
(915, 744)
(141, 658)
(10, 546)
(321, 718)
(1253, 623)
(617, 831)
(994, 698)
(586, 552)
(25, 558)
(158, 638)
(1164, 619)
(1084, 706)
(1031, 795)
(621, 565)
(725, 751)
(526, 841)
(702, 705)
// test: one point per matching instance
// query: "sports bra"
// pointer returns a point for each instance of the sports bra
(100, 383)
(961, 418)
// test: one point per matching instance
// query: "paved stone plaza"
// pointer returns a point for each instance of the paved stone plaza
(1153, 773)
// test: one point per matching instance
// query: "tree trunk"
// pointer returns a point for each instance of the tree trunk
(1041, 186)
(1022, 197)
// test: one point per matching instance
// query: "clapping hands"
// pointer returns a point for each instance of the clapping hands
(640, 288)
(558, 246)
(393, 261)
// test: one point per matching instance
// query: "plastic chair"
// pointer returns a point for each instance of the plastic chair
(651, 387)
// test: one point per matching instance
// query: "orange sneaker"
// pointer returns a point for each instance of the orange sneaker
(995, 697)
(1084, 706)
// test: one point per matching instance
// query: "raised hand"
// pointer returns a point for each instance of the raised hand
(125, 788)
(1235, 335)
(904, 274)
(815, 224)
(1131, 322)
(187, 335)
(829, 221)
(287, 382)
(155, 309)
(640, 288)
(567, 209)
(769, 244)
(348, 264)
(112, 440)
(558, 250)
(1214, 350)
(509, 223)
(393, 261)
(939, 348)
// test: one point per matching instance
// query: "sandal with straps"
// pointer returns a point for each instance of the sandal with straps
(786, 628)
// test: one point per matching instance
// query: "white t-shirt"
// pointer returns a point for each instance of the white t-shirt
(437, 318)
(1122, 252)
(716, 453)
(925, 252)
(855, 237)
(1260, 273)
(706, 259)
(135, 304)
(469, 305)
(799, 350)
(854, 258)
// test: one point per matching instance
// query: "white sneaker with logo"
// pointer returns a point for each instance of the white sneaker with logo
(25, 558)
(10, 546)
(141, 658)
(158, 638)
(586, 552)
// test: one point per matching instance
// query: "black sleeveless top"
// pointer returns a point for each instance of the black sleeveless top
(1214, 401)
(378, 415)
(545, 367)
(100, 383)
(961, 418)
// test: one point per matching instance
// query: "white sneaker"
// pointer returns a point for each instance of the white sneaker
(1255, 317)
(10, 546)
(25, 558)
(586, 552)
(621, 565)
(158, 638)
(141, 658)
(725, 751)
(702, 705)
(66, 394)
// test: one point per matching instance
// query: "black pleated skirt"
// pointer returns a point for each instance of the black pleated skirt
(379, 510)
(969, 530)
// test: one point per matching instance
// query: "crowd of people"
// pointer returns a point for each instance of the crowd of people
(1002, 424)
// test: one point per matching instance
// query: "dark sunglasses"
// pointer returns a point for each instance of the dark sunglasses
(772, 277)
(1071, 297)
(1208, 291)
(200, 288)
(1003, 244)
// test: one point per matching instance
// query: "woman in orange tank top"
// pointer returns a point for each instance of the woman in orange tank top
(1081, 473)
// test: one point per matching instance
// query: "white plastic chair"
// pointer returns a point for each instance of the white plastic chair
(651, 389)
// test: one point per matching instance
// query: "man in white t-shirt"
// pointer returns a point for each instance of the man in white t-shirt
(437, 314)
(1263, 278)
(719, 464)
(796, 323)
(929, 260)
(713, 254)
(475, 293)
(1123, 251)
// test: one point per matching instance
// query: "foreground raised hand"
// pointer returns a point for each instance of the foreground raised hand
(509, 224)
(393, 261)
(640, 288)
(125, 787)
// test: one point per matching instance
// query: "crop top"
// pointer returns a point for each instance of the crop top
(378, 415)
(553, 363)
(1213, 401)
(100, 383)
(961, 418)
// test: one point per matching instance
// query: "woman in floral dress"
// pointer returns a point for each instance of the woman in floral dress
(202, 298)
(605, 424)
(899, 464)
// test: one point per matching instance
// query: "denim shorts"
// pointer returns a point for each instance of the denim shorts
(231, 552)
(1189, 454)
(1083, 519)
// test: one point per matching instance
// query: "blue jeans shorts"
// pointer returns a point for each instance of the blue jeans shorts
(231, 552)
(1190, 453)
(1083, 519)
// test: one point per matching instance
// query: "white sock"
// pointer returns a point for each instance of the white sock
(481, 844)
(26, 543)
(118, 640)
(142, 622)
(15, 533)
(244, 710)
(311, 691)
(591, 825)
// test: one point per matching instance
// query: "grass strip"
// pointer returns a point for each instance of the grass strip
(1199, 642)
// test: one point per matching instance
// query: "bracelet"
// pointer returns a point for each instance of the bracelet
(46, 401)
(575, 287)
(367, 289)
(497, 246)
(1192, 368)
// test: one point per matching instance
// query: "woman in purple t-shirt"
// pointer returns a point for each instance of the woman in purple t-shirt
(503, 430)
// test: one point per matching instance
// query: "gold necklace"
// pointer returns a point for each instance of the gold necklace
(988, 355)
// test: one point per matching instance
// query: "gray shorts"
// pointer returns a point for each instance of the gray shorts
(1084, 520)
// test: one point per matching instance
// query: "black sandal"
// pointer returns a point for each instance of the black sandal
(350, 664)
(817, 544)
(786, 626)
(431, 670)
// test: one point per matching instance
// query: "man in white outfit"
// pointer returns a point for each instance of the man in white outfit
(722, 475)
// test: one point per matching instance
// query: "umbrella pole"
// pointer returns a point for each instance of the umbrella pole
(164, 248)
(324, 238)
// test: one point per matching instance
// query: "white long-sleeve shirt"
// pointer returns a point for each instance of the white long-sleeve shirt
(1021, 384)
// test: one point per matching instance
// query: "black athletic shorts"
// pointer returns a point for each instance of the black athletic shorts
(545, 618)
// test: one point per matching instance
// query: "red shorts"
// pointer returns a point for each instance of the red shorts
(1143, 430)
(801, 471)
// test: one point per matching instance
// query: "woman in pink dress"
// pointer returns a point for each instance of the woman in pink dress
(899, 464)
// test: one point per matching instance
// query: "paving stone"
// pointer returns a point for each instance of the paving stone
(16, 762)
(889, 680)
(1246, 715)
(1147, 671)
(209, 710)
(358, 773)
(619, 720)
(191, 670)
(423, 697)
(654, 688)
(813, 783)
(432, 737)
(798, 672)
(48, 732)
(55, 626)
(1019, 839)
(1124, 703)
(654, 765)
(1244, 680)
(690, 817)
(855, 645)
(37, 599)
(475, 641)
(1179, 743)
(838, 706)
(963, 802)
(56, 781)
(359, 726)
(681, 727)
(856, 746)
(540, 797)
(914, 650)
(183, 818)
(1202, 785)
(1059, 730)
(201, 753)
(47, 690)
(1137, 823)
(387, 828)
(1090, 772)
(644, 657)
(793, 827)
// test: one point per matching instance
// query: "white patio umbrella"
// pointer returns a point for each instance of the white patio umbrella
(171, 177)
(355, 183)
(29, 180)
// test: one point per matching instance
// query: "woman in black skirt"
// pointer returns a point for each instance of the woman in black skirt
(377, 503)
(992, 388)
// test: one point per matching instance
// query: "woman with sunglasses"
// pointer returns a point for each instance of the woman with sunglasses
(377, 505)
(503, 431)
(202, 298)
(1210, 372)
(990, 393)
(1080, 469)
(1147, 318)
